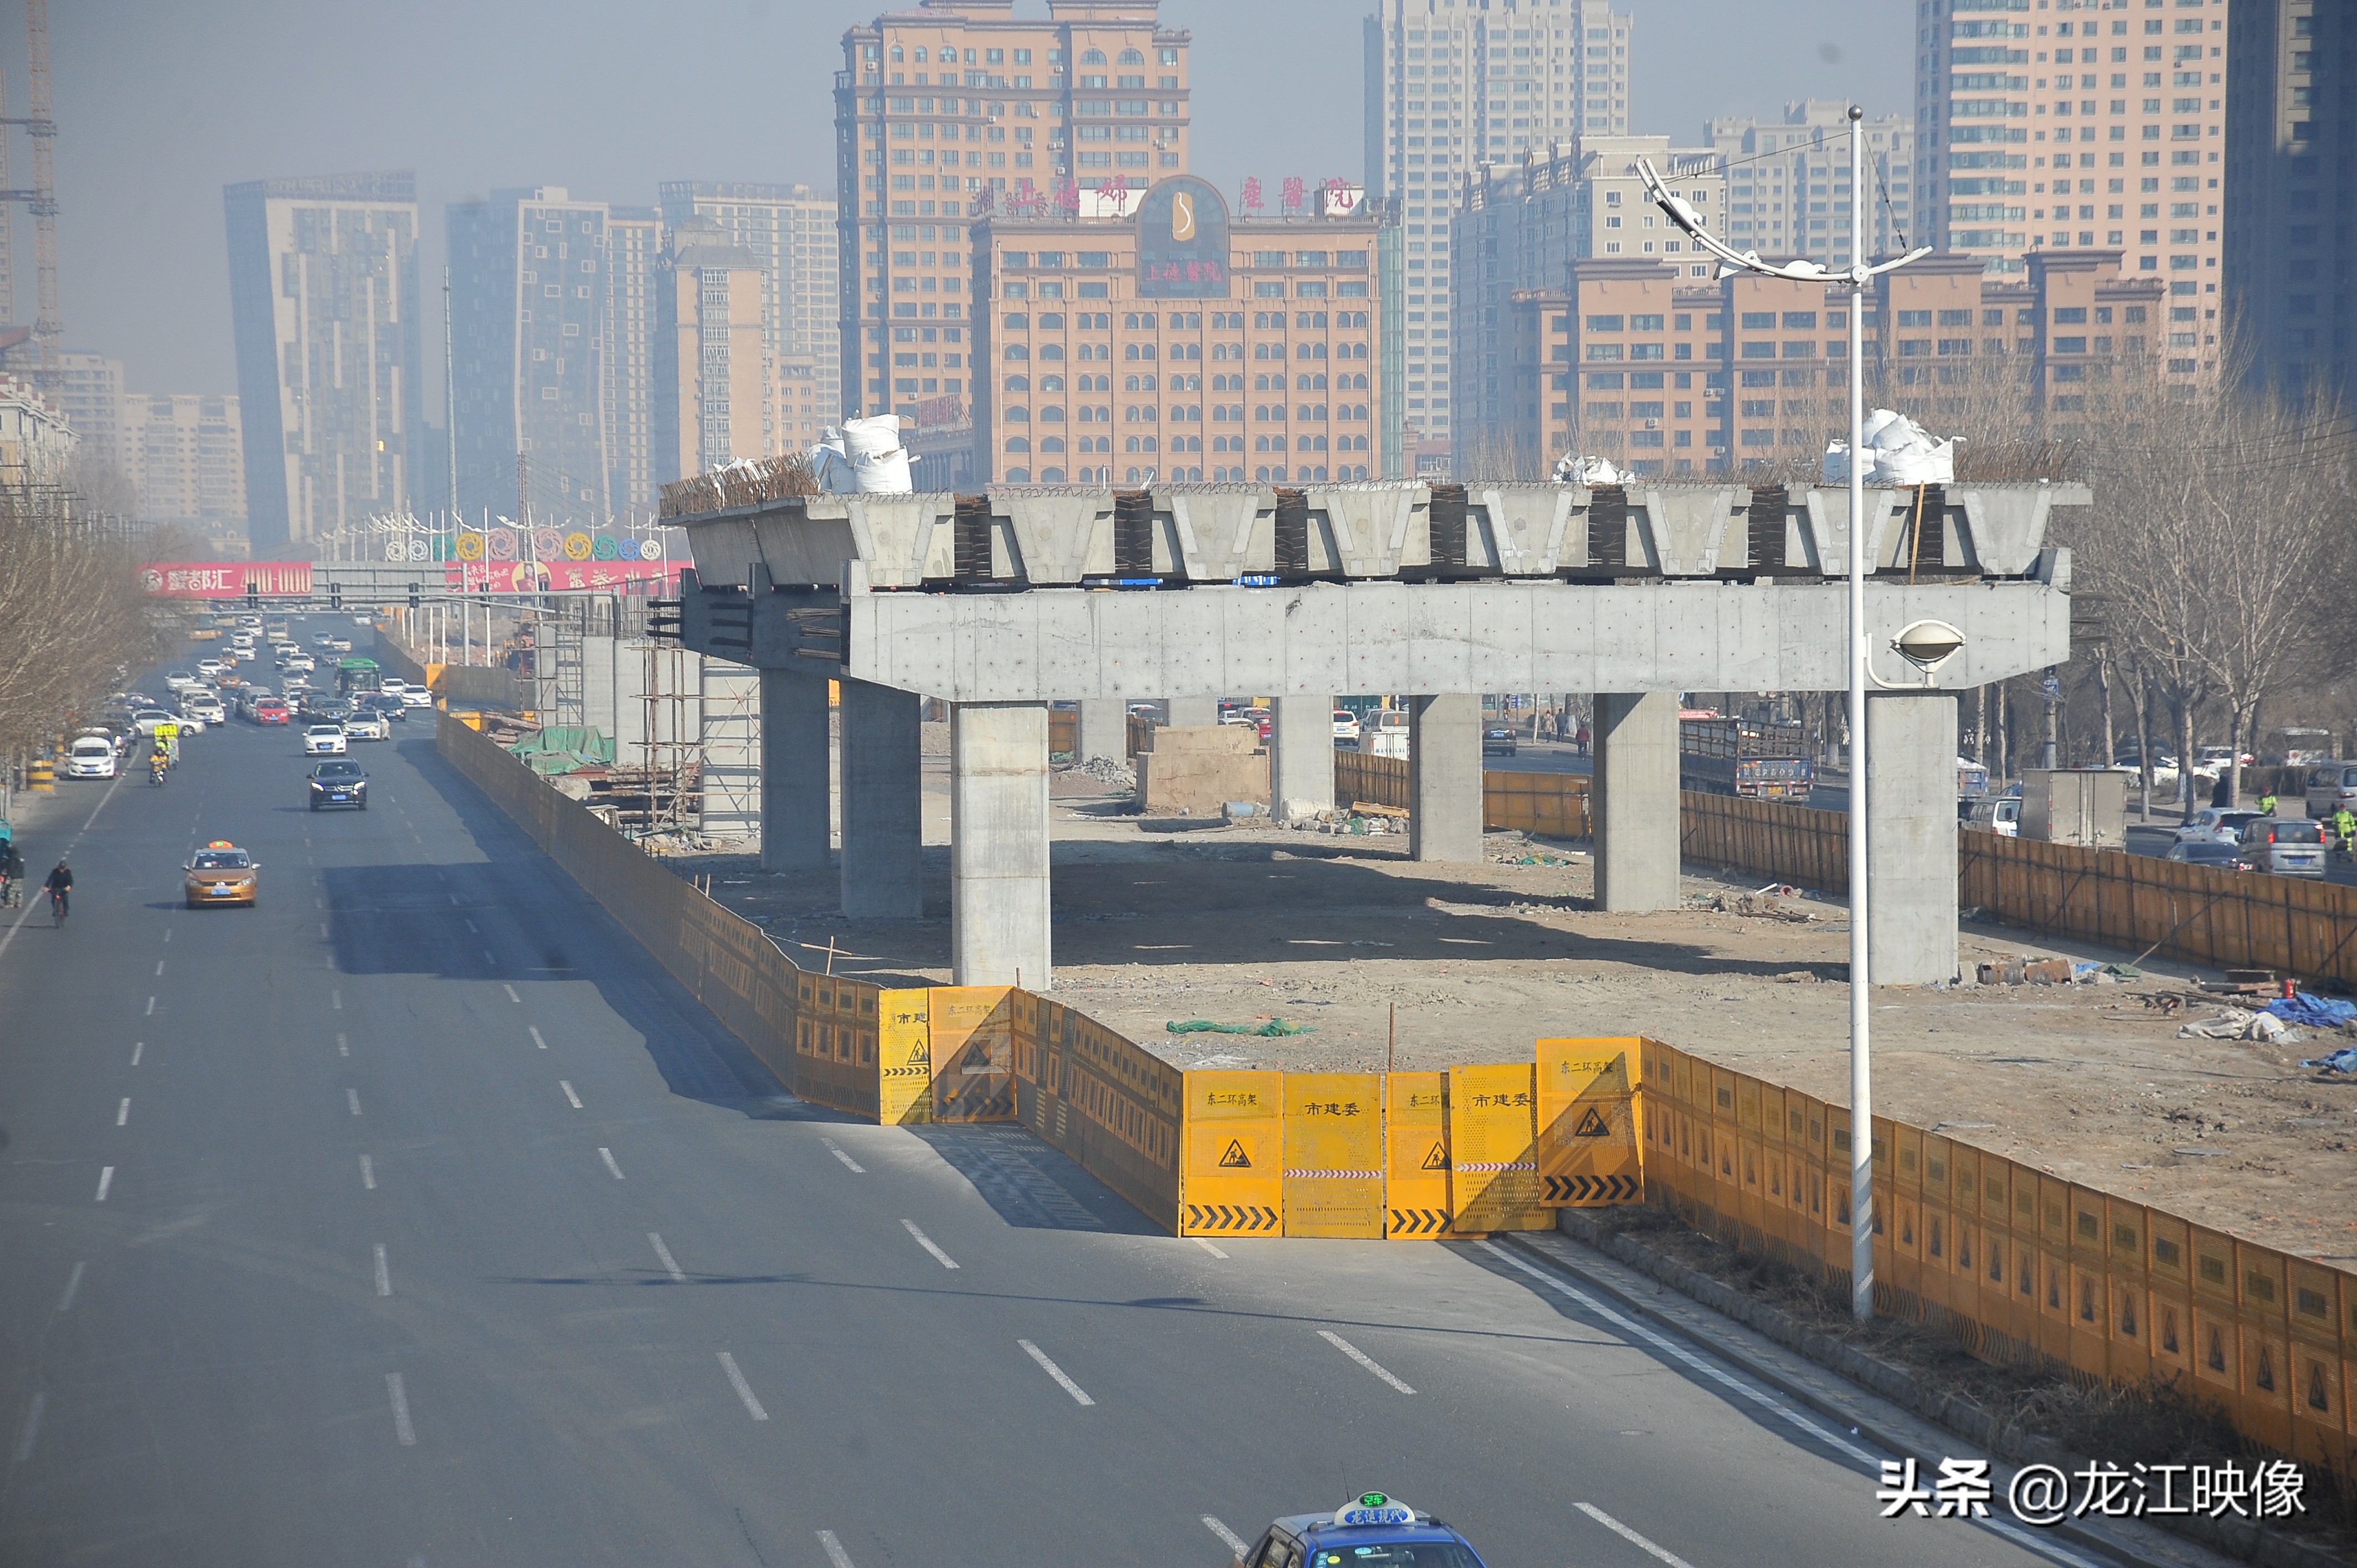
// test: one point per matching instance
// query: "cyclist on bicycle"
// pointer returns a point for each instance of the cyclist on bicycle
(61, 885)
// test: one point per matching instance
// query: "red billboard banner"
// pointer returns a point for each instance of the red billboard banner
(225, 579)
(560, 576)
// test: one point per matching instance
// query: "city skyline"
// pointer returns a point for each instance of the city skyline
(196, 131)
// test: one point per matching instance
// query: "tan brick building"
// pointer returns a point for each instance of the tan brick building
(1177, 345)
(715, 399)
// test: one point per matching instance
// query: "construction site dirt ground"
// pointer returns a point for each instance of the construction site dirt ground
(1241, 925)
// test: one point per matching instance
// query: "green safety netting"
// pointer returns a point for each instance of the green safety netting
(565, 749)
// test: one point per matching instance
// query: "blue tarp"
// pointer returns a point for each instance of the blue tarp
(2316, 1012)
(2338, 1061)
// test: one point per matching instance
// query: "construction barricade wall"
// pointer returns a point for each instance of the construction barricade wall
(2018, 1264)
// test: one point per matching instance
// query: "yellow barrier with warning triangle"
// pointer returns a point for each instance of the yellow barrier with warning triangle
(1231, 1165)
(904, 1058)
(1416, 1156)
(1587, 1114)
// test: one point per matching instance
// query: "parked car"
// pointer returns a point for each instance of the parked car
(1346, 727)
(1999, 814)
(2285, 846)
(2332, 786)
(2203, 852)
(2216, 824)
(1498, 740)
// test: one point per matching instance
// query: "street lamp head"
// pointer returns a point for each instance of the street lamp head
(1928, 644)
(1857, 112)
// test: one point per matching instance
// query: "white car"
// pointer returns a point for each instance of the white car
(302, 661)
(298, 681)
(209, 668)
(2217, 824)
(323, 740)
(392, 685)
(417, 697)
(179, 680)
(204, 710)
(148, 718)
(92, 757)
(366, 724)
(1346, 727)
(189, 723)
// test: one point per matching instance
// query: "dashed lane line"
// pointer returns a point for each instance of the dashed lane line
(1080, 1396)
(927, 1243)
(744, 1389)
(1363, 1359)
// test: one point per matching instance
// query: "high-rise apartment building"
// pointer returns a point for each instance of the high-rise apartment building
(552, 301)
(2079, 124)
(1789, 182)
(953, 109)
(1091, 350)
(88, 390)
(324, 302)
(185, 453)
(792, 229)
(714, 400)
(2291, 178)
(1523, 226)
(1451, 88)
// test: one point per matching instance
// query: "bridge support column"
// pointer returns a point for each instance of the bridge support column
(1633, 798)
(1192, 712)
(1301, 757)
(1444, 777)
(794, 771)
(998, 844)
(881, 765)
(1104, 730)
(1910, 845)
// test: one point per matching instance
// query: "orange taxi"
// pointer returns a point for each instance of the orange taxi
(221, 873)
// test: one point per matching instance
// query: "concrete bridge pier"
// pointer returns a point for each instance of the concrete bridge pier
(1192, 712)
(1301, 757)
(1444, 777)
(1104, 730)
(794, 770)
(998, 844)
(880, 766)
(1910, 845)
(1633, 797)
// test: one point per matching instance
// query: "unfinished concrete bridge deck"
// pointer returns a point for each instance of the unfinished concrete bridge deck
(1005, 602)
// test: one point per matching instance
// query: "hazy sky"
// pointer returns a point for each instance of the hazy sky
(161, 103)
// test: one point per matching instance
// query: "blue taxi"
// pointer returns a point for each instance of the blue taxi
(1372, 1531)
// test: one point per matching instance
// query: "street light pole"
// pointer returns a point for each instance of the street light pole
(1858, 277)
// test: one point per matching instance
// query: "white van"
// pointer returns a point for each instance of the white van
(92, 757)
(2332, 786)
(1999, 814)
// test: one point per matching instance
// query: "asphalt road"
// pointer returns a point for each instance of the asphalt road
(415, 1217)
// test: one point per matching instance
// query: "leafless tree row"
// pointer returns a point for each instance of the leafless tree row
(72, 617)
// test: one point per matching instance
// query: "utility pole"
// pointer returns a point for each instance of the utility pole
(1858, 277)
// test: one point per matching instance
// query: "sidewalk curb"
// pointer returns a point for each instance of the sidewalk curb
(2234, 1538)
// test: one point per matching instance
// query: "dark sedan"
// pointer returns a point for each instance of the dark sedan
(338, 782)
(1498, 741)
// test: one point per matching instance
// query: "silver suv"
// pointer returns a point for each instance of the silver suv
(2332, 786)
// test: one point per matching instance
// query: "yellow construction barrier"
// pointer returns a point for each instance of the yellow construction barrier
(1588, 1122)
(904, 1054)
(1493, 1149)
(1416, 1156)
(973, 1047)
(1231, 1179)
(1334, 1155)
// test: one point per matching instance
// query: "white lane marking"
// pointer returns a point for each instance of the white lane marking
(487, 956)
(1361, 1357)
(122, 1111)
(1716, 1373)
(32, 1427)
(512, 995)
(1208, 1248)
(336, 1000)
(368, 1173)
(1079, 1395)
(406, 1433)
(343, 1046)
(151, 1007)
(573, 1099)
(607, 1156)
(744, 1389)
(159, 969)
(927, 1243)
(106, 1180)
(662, 1256)
(383, 1271)
(471, 925)
(137, 1049)
(538, 1041)
(167, 936)
(1630, 1536)
(1228, 1538)
(454, 897)
(323, 928)
(854, 1167)
(73, 1289)
(352, 1098)
(836, 1557)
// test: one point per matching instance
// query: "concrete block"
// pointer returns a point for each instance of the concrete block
(1222, 533)
(1104, 729)
(794, 772)
(999, 932)
(1635, 801)
(882, 798)
(1062, 535)
(1199, 771)
(1301, 757)
(1686, 526)
(1535, 528)
(1910, 843)
(1192, 712)
(1202, 740)
(1444, 777)
(1367, 525)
